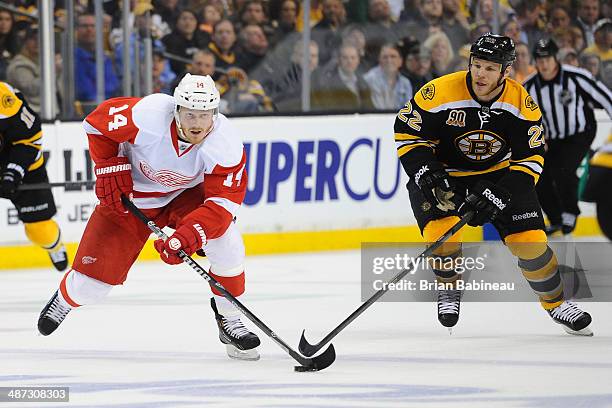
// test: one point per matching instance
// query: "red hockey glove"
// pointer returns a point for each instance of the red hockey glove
(189, 238)
(114, 178)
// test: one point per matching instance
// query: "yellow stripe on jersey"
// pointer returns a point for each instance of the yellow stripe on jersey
(515, 99)
(40, 160)
(34, 141)
(405, 149)
(406, 136)
(524, 169)
(602, 160)
(446, 89)
(465, 173)
(9, 102)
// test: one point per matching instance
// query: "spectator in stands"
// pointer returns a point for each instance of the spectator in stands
(479, 29)
(569, 37)
(485, 12)
(559, 18)
(286, 89)
(327, 31)
(354, 35)
(602, 46)
(223, 44)
(522, 67)
(568, 56)
(390, 89)
(23, 71)
(512, 29)
(528, 16)
(211, 15)
(240, 95)
(252, 13)
(85, 65)
(162, 74)
(202, 63)
(381, 29)
(342, 88)
(168, 10)
(253, 47)
(185, 39)
(591, 63)
(9, 43)
(442, 54)
(316, 14)
(454, 23)
(588, 15)
(417, 64)
(284, 20)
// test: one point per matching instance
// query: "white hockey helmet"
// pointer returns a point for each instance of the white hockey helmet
(197, 92)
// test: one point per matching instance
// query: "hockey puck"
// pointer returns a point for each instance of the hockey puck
(303, 369)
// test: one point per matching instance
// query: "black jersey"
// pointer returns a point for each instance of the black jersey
(445, 122)
(20, 131)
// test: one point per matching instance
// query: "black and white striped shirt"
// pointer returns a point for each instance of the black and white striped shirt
(567, 101)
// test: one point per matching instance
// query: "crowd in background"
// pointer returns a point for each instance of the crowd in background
(365, 55)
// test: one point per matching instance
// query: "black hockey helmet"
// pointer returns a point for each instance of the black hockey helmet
(494, 48)
(545, 48)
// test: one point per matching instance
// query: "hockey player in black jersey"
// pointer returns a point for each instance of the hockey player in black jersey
(473, 141)
(22, 161)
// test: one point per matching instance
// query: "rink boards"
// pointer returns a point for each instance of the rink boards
(315, 183)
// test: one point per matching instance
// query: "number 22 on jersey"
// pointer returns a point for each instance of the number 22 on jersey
(409, 116)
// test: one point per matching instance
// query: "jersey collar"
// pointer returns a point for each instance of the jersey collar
(180, 148)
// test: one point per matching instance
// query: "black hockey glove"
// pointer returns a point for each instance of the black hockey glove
(10, 179)
(487, 200)
(436, 185)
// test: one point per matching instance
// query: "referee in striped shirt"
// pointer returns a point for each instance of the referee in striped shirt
(567, 96)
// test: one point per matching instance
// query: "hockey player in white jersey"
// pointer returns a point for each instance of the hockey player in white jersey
(183, 165)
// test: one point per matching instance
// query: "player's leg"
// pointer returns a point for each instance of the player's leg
(573, 152)
(108, 248)
(521, 227)
(547, 190)
(36, 209)
(226, 256)
(433, 224)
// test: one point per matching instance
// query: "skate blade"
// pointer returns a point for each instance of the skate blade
(584, 332)
(246, 355)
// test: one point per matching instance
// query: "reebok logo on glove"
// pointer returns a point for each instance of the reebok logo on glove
(419, 173)
(491, 197)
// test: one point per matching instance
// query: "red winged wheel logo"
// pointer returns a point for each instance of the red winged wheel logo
(166, 178)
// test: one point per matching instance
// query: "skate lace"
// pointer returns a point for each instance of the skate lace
(57, 311)
(235, 327)
(448, 301)
(567, 311)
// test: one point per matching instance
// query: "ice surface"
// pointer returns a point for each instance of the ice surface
(153, 343)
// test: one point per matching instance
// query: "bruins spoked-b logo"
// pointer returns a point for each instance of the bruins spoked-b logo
(8, 101)
(479, 145)
(530, 103)
(428, 91)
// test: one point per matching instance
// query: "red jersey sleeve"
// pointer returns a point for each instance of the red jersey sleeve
(224, 191)
(110, 124)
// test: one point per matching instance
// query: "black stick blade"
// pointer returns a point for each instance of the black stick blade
(320, 362)
(305, 347)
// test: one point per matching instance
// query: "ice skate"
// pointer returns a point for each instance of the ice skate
(448, 307)
(59, 257)
(52, 315)
(572, 319)
(240, 342)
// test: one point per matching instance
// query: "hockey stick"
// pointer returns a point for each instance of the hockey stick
(317, 363)
(45, 186)
(308, 349)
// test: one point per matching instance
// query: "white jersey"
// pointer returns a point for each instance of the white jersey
(144, 131)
